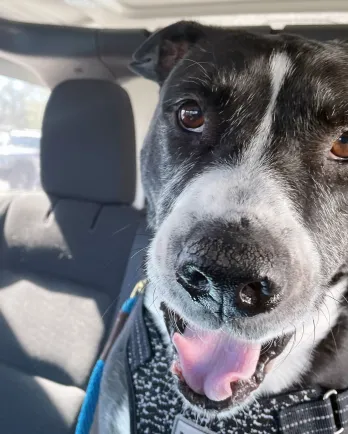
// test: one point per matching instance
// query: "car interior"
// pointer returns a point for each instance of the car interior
(71, 247)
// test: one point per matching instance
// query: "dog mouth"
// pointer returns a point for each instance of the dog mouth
(214, 370)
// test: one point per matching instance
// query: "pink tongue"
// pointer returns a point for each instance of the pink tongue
(211, 361)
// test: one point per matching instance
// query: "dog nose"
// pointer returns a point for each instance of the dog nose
(251, 296)
(209, 269)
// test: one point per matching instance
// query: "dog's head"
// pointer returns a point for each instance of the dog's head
(245, 169)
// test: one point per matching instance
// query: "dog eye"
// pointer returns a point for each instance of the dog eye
(339, 149)
(191, 117)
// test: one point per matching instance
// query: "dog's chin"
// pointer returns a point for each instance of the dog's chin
(242, 391)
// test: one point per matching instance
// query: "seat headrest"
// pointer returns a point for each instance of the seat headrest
(88, 142)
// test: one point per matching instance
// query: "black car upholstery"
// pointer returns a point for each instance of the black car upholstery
(64, 252)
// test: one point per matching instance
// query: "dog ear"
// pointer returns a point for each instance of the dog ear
(157, 56)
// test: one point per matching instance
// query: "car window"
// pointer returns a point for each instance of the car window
(25, 141)
(144, 96)
(22, 107)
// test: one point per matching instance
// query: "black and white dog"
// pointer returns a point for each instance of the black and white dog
(245, 169)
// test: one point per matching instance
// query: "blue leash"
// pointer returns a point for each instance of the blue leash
(86, 416)
(89, 405)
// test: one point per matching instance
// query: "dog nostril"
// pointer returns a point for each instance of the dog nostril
(195, 282)
(248, 294)
(254, 297)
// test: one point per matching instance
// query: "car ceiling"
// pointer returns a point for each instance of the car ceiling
(151, 14)
(49, 41)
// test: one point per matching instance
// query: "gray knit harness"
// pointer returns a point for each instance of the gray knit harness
(158, 408)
